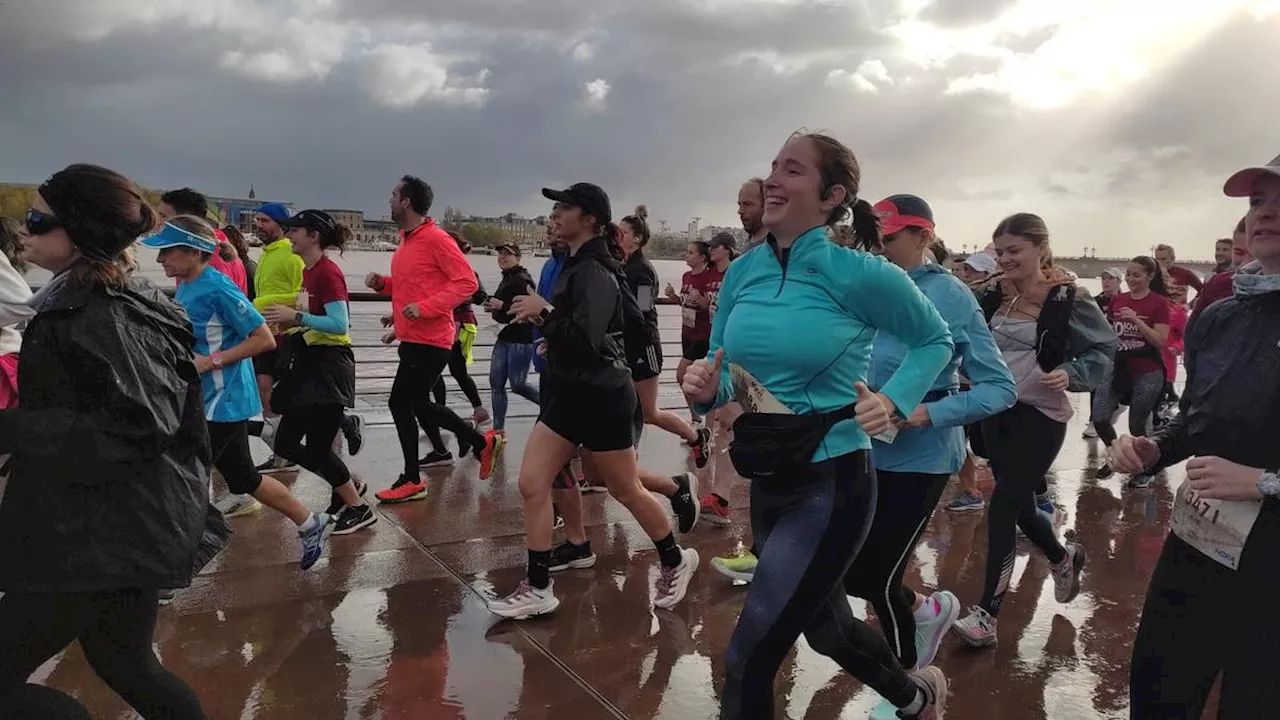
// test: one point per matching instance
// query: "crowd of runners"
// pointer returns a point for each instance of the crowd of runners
(839, 360)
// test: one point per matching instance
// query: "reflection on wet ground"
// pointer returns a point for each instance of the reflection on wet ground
(391, 624)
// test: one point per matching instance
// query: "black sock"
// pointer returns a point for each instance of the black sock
(255, 428)
(668, 551)
(540, 568)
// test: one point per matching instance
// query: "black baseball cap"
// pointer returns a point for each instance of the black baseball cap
(725, 240)
(317, 220)
(508, 248)
(588, 198)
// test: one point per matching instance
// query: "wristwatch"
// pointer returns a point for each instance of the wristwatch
(1269, 484)
(216, 359)
(297, 318)
(544, 314)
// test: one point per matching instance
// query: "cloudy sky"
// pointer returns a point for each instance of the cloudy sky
(1117, 120)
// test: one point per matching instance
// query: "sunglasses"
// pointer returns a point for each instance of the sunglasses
(39, 223)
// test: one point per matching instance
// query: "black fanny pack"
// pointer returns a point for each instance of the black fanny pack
(770, 446)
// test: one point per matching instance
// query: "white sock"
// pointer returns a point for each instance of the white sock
(310, 523)
(928, 610)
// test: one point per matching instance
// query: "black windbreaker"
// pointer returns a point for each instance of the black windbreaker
(642, 280)
(109, 481)
(1231, 405)
(515, 282)
(585, 331)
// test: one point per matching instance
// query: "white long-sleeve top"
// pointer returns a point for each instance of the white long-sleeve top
(14, 294)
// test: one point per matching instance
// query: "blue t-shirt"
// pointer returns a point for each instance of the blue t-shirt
(222, 317)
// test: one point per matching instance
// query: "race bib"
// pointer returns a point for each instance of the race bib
(690, 316)
(1217, 528)
(752, 395)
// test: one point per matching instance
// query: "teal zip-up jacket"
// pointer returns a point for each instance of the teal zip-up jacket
(940, 448)
(802, 323)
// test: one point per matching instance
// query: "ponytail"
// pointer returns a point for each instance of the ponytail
(866, 226)
(613, 241)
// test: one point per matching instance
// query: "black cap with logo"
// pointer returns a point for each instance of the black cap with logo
(588, 198)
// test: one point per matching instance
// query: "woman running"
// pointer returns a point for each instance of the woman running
(320, 382)
(592, 404)
(1141, 321)
(1054, 340)
(237, 241)
(108, 493)
(697, 288)
(646, 361)
(913, 470)
(513, 350)
(792, 343)
(229, 332)
(1111, 278)
(1205, 614)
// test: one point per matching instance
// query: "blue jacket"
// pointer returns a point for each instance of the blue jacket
(804, 331)
(940, 448)
(546, 282)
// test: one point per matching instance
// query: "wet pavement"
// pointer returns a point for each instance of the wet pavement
(391, 622)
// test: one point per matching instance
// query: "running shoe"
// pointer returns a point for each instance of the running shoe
(1090, 432)
(276, 464)
(977, 629)
(588, 487)
(352, 519)
(353, 431)
(740, 566)
(683, 504)
(234, 506)
(929, 634)
(1044, 504)
(558, 522)
(313, 540)
(701, 448)
(527, 601)
(405, 489)
(440, 458)
(336, 503)
(489, 454)
(1066, 574)
(673, 583)
(480, 415)
(567, 556)
(934, 684)
(1141, 481)
(166, 596)
(967, 502)
(715, 510)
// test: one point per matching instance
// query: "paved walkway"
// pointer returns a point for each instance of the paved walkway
(390, 624)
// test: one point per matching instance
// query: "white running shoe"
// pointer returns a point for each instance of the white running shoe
(673, 583)
(527, 601)
(234, 506)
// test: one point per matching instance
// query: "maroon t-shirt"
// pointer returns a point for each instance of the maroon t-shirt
(697, 320)
(1154, 309)
(324, 284)
(1220, 286)
(1183, 277)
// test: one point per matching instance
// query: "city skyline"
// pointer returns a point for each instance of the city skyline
(1117, 121)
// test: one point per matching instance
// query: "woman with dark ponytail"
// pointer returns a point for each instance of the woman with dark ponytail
(1141, 319)
(108, 494)
(791, 342)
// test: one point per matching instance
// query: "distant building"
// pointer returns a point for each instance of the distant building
(706, 233)
(373, 233)
(353, 219)
(528, 232)
(241, 211)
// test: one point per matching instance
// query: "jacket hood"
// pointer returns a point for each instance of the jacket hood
(139, 295)
(1250, 282)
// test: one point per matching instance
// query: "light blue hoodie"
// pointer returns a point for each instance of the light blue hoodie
(940, 448)
(805, 332)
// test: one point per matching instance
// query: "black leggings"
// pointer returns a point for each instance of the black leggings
(115, 630)
(904, 504)
(230, 445)
(458, 371)
(1202, 618)
(319, 424)
(1144, 392)
(809, 531)
(419, 371)
(1023, 443)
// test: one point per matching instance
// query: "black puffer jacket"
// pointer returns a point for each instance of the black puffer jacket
(109, 478)
(1231, 405)
(515, 282)
(585, 331)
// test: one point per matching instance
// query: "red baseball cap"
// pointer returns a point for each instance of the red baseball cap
(899, 212)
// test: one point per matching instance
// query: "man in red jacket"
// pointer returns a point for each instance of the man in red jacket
(429, 278)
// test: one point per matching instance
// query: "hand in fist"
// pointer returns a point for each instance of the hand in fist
(702, 379)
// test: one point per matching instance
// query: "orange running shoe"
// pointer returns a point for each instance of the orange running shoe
(405, 489)
(493, 443)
